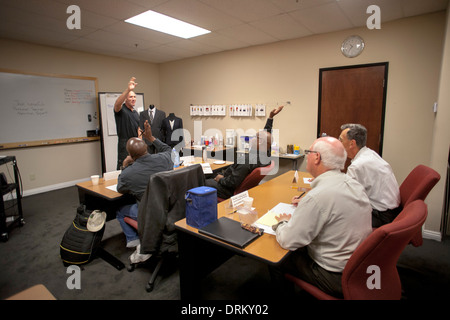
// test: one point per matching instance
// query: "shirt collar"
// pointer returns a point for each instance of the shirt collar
(361, 151)
(324, 175)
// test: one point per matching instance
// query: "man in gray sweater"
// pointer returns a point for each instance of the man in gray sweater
(138, 167)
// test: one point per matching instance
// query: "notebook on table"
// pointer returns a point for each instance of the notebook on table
(229, 231)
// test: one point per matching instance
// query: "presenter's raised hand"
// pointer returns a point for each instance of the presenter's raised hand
(132, 84)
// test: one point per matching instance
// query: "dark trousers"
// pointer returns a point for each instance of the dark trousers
(380, 218)
(300, 265)
(221, 191)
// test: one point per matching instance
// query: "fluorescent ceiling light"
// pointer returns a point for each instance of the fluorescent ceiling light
(162, 23)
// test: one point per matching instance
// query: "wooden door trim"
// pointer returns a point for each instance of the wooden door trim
(383, 111)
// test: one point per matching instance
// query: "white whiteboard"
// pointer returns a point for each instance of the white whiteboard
(48, 109)
(109, 132)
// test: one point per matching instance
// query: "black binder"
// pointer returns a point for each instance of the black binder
(229, 231)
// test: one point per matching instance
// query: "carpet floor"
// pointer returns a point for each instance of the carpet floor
(31, 256)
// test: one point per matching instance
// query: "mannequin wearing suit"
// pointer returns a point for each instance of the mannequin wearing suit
(158, 117)
(169, 125)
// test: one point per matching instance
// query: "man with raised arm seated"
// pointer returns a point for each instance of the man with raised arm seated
(139, 165)
(232, 177)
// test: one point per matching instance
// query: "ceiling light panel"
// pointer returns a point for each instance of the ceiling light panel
(162, 23)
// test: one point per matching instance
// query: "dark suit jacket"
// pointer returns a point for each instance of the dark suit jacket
(156, 126)
(163, 204)
(167, 130)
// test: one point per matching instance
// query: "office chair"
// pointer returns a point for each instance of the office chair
(416, 186)
(252, 179)
(160, 260)
(382, 249)
(162, 204)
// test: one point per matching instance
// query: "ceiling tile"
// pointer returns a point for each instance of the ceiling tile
(282, 27)
(128, 29)
(416, 7)
(357, 11)
(220, 41)
(249, 10)
(293, 5)
(248, 34)
(331, 18)
(197, 13)
(117, 9)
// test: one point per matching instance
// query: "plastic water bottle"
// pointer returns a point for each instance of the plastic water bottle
(175, 158)
(204, 154)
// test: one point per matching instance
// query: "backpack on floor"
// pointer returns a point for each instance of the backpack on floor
(78, 245)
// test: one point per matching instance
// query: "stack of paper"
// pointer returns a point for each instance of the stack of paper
(268, 220)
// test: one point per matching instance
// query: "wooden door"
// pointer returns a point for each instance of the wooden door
(354, 94)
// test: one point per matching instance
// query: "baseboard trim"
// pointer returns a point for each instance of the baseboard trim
(432, 235)
(26, 193)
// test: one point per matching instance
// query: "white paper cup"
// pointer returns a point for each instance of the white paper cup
(248, 202)
(95, 179)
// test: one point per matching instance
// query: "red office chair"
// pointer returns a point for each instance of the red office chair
(416, 186)
(151, 283)
(252, 179)
(382, 249)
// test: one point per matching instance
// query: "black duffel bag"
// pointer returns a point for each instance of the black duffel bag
(83, 237)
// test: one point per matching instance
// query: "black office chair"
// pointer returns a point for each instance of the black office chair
(162, 204)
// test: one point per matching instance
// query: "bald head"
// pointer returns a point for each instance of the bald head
(329, 154)
(136, 148)
(332, 152)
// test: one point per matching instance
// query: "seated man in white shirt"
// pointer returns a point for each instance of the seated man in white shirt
(327, 226)
(374, 173)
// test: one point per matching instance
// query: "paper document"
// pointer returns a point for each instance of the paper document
(206, 168)
(268, 220)
(113, 187)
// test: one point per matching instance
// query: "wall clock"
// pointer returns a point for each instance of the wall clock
(352, 46)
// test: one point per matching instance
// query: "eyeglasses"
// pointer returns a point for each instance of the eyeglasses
(310, 151)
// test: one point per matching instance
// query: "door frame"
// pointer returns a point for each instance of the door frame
(383, 111)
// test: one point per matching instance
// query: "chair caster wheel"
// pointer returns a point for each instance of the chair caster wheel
(149, 287)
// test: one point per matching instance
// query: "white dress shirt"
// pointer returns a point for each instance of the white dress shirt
(331, 220)
(377, 177)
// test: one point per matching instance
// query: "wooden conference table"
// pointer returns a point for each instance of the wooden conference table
(101, 190)
(201, 254)
(99, 197)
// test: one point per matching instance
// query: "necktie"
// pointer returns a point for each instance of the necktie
(151, 116)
